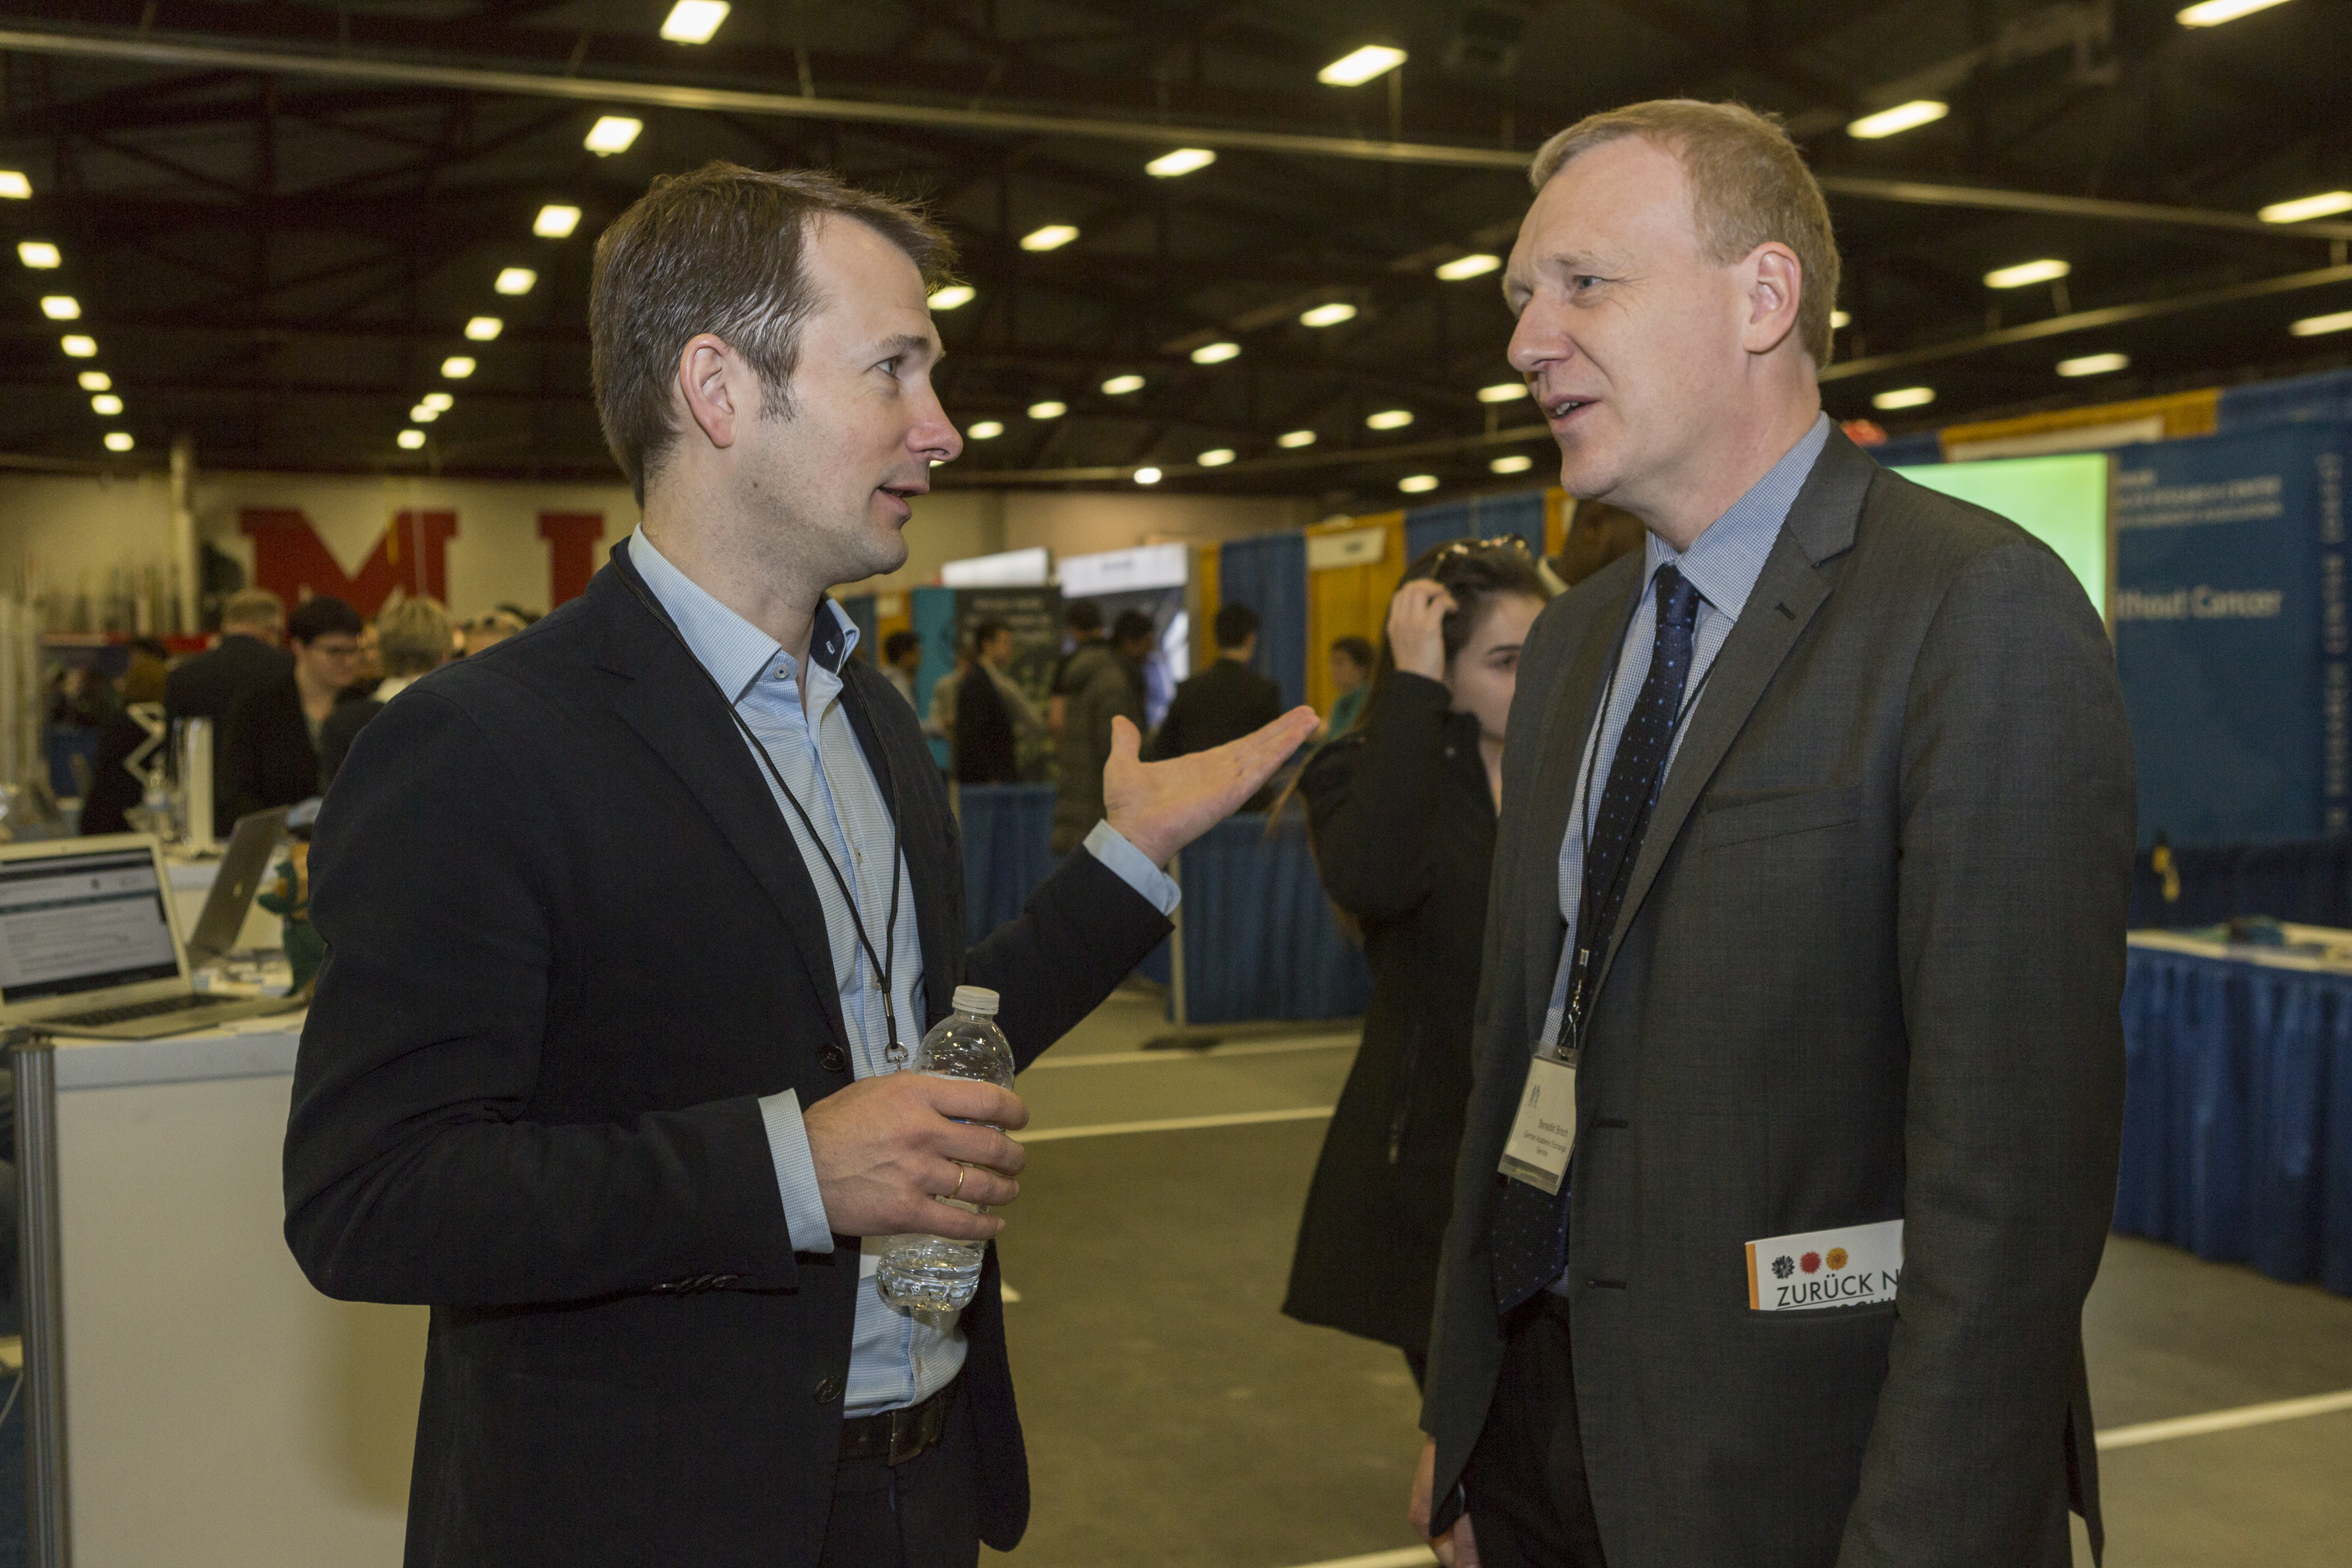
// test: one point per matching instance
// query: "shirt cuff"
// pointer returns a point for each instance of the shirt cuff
(1133, 867)
(788, 1146)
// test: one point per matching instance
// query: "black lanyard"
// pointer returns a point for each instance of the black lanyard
(895, 1052)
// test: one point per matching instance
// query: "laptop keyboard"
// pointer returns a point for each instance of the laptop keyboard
(192, 1003)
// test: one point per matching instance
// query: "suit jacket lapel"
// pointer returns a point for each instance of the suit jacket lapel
(1820, 525)
(673, 709)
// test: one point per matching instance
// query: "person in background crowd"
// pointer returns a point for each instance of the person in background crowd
(902, 661)
(212, 683)
(1102, 681)
(524, 615)
(1082, 619)
(1598, 533)
(941, 726)
(370, 673)
(413, 635)
(488, 631)
(1401, 812)
(1352, 678)
(114, 789)
(995, 722)
(271, 754)
(1225, 701)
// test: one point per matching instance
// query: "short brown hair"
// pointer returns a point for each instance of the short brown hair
(253, 607)
(719, 250)
(1749, 184)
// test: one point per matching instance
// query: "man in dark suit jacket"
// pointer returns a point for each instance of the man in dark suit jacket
(1226, 700)
(1807, 922)
(630, 922)
(209, 685)
(269, 753)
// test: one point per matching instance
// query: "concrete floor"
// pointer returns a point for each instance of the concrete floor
(1176, 1419)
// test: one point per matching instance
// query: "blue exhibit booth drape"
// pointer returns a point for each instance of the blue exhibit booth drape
(1008, 850)
(1480, 517)
(2306, 881)
(2238, 1113)
(1260, 940)
(1269, 575)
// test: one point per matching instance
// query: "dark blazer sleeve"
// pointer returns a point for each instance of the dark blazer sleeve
(2017, 815)
(243, 767)
(1082, 932)
(411, 1173)
(1370, 802)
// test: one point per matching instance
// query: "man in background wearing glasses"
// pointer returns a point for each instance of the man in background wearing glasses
(271, 752)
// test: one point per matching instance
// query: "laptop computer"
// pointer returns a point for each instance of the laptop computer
(87, 946)
(243, 865)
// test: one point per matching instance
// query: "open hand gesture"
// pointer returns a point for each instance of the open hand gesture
(1160, 807)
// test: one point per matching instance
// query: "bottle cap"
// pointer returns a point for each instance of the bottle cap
(977, 999)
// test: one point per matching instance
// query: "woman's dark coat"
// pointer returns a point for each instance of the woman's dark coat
(1403, 826)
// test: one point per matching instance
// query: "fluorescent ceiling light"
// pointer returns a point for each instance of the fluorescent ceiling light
(1902, 117)
(2327, 204)
(97, 381)
(2048, 271)
(1119, 384)
(611, 134)
(78, 347)
(1215, 457)
(482, 329)
(1053, 237)
(515, 280)
(62, 307)
(2093, 364)
(1294, 439)
(439, 402)
(1147, 476)
(1474, 266)
(1329, 315)
(954, 297)
(1048, 409)
(106, 403)
(410, 439)
(1215, 353)
(1183, 161)
(985, 430)
(1389, 419)
(555, 222)
(420, 415)
(1417, 484)
(1516, 463)
(1841, 319)
(13, 185)
(1360, 66)
(2214, 13)
(119, 441)
(37, 253)
(693, 21)
(1905, 397)
(457, 367)
(2312, 326)
(1503, 391)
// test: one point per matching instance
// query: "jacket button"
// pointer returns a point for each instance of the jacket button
(832, 1060)
(828, 1389)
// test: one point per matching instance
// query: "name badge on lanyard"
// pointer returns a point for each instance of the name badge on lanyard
(1543, 1134)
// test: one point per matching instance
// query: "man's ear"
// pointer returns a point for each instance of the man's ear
(717, 386)
(1775, 282)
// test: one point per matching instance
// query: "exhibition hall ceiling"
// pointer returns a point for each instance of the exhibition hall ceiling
(314, 235)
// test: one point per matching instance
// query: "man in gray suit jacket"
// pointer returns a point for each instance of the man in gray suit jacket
(1800, 1068)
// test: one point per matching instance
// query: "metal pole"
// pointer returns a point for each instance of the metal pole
(184, 531)
(48, 1534)
(1176, 949)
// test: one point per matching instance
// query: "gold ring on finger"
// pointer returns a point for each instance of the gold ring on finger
(961, 1171)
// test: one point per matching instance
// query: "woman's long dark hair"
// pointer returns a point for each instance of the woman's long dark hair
(1475, 572)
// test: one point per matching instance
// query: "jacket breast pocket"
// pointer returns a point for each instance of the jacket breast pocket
(1742, 818)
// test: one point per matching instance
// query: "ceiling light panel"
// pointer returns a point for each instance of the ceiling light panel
(1358, 66)
(1329, 315)
(1839, 319)
(1417, 484)
(1119, 385)
(555, 221)
(2214, 13)
(420, 415)
(2303, 209)
(954, 297)
(1215, 457)
(1053, 237)
(1215, 353)
(119, 441)
(2093, 365)
(1901, 117)
(1389, 419)
(515, 280)
(410, 439)
(1147, 476)
(484, 328)
(38, 253)
(1512, 463)
(2314, 326)
(1503, 391)
(78, 347)
(439, 402)
(1903, 398)
(1183, 161)
(14, 186)
(61, 307)
(693, 21)
(457, 367)
(1293, 439)
(106, 403)
(2048, 271)
(96, 381)
(612, 134)
(984, 430)
(1476, 265)
(1050, 408)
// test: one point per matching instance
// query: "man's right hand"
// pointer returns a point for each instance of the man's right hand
(887, 1149)
(1458, 1546)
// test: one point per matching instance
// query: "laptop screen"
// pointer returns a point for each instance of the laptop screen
(81, 922)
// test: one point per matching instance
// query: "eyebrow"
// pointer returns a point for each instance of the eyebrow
(912, 343)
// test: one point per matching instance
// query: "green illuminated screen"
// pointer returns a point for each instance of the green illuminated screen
(2061, 500)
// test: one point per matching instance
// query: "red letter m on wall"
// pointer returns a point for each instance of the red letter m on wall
(291, 561)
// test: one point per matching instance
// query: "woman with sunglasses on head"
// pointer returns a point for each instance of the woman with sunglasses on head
(1401, 813)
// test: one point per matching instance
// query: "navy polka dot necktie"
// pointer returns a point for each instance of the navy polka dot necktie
(1530, 1240)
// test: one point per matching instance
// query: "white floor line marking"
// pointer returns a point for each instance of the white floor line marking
(2224, 1420)
(1210, 1054)
(1404, 1557)
(1177, 1123)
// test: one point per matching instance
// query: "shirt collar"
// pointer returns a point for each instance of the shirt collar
(732, 649)
(1723, 562)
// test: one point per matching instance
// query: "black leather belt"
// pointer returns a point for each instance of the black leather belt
(895, 1437)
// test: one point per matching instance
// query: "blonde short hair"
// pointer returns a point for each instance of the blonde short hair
(1749, 184)
(412, 635)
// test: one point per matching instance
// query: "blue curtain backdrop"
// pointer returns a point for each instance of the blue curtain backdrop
(2237, 1114)
(1268, 575)
(2326, 396)
(1260, 941)
(933, 611)
(2307, 882)
(1008, 849)
(1481, 517)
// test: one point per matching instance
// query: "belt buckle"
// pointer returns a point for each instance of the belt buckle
(906, 1439)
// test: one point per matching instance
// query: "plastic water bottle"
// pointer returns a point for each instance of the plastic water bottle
(932, 1273)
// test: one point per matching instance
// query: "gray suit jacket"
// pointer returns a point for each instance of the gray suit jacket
(1870, 966)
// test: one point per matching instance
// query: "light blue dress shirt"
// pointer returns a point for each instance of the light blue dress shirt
(896, 1358)
(1723, 564)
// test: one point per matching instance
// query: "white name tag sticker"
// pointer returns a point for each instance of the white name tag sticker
(1543, 1134)
(1855, 1267)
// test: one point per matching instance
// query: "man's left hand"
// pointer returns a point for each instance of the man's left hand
(1160, 807)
